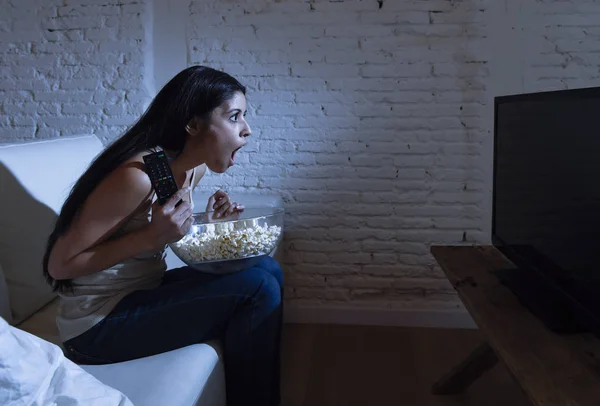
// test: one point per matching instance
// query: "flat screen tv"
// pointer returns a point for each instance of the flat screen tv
(546, 203)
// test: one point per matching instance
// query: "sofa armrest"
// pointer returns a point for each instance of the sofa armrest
(189, 376)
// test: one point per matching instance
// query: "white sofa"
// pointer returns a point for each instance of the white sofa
(35, 178)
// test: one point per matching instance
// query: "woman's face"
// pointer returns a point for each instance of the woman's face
(223, 134)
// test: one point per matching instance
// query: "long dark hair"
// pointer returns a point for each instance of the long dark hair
(194, 92)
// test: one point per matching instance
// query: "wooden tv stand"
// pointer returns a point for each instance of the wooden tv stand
(552, 369)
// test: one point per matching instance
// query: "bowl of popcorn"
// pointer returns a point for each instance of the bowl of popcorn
(232, 243)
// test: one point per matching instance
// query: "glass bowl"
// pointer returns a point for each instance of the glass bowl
(230, 244)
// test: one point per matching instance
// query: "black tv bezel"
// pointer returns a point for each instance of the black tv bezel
(566, 94)
(584, 315)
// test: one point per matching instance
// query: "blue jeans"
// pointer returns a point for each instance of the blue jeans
(243, 310)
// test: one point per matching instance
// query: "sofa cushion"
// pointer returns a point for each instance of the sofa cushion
(35, 372)
(5, 312)
(192, 375)
(35, 178)
(43, 323)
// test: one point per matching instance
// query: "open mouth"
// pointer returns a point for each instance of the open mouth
(233, 154)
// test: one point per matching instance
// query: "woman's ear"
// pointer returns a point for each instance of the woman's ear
(193, 127)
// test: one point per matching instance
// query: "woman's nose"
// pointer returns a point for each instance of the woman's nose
(247, 131)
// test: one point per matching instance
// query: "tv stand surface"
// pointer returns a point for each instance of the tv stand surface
(552, 369)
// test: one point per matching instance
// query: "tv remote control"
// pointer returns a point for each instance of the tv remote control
(161, 176)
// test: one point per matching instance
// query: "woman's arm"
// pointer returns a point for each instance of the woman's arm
(85, 248)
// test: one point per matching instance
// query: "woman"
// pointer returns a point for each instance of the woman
(105, 256)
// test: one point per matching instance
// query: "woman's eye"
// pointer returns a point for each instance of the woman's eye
(234, 117)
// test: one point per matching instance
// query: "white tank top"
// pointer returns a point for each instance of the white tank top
(94, 296)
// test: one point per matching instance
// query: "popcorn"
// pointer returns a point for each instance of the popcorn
(227, 242)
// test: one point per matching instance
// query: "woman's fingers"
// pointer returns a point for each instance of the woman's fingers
(221, 206)
(222, 210)
(214, 202)
(220, 203)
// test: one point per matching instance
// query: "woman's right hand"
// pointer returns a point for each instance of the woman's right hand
(170, 222)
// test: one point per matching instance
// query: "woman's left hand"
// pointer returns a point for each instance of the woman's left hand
(222, 206)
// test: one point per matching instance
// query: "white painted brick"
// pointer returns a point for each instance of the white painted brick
(24, 85)
(398, 71)
(109, 97)
(116, 121)
(133, 8)
(312, 122)
(290, 32)
(130, 21)
(59, 122)
(370, 122)
(90, 10)
(398, 270)
(404, 17)
(327, 44)
(70, 47)
(74, 35)
(457, 17)
(285, 84)
(20, 133)
(126, 32)
(42, 61)
(229, 32)
(100, 34)
(32, 109)
(312, 55)
(576, 45)
(116, 46)
(465, 31)
(364, 210)
(410, 5)
(350, 258)
(319, 70)
(320, 246)
(5, 26)
(582, 20)
(303, 280)
(22, 121)
(23, 36)
(366, 30)
(80, 84)
(78, 109)
(69, 23)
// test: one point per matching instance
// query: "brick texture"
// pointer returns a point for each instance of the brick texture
(70, 67)
(370, 118)
(566, 36)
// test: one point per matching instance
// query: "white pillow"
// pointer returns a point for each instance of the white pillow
(4, 300)
(35, 372)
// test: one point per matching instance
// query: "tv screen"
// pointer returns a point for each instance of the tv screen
(546, 195)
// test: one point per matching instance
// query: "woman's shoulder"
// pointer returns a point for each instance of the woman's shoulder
(132, 175)
(139, 157)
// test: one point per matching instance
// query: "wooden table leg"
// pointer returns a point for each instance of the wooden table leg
(464, 374)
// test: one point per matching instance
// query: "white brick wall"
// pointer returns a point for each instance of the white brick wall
(567, 38)
(372, 118)
(70, 67)
(368, 121)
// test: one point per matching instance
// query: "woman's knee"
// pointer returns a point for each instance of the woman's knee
(264, 286)
(271, 266)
